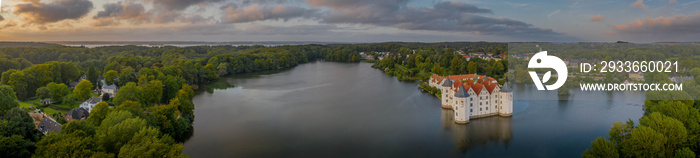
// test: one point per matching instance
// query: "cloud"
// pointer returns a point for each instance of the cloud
(672, 1)
(298, 30)
(257, 13)
(121, 11)
(195, 19)
(8, 25)
(180, 4)
(597, 18)
(447, 16)
(549, 16)
(639, 4)
(678, 27)
(37, 12)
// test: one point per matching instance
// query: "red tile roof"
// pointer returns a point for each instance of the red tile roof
(467, 80)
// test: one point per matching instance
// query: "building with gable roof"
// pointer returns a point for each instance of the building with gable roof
(473, 96)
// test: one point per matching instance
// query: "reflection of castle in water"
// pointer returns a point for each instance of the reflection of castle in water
(478, 132)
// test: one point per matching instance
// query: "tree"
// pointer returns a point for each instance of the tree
(17, 122)
(153, 92)
(18, 82)
(112, 138)
(58, 91)
(128, 92)
(695, 72)
(619, 132)
(69, 145)
(472, 67)
(83, 90)
(127, 75)
(92, 75)
(673, 129)
(8, 99)
(79, 127)
(601, 147)
(69, 71)
(70, 100)
(14, 146)
(564, 90)
(645, 142)
(149, 142)
(98, 113)
(111, 77)
(684, 153)
(106, 97)
(43, 93)
(166, 116)
(222, 70)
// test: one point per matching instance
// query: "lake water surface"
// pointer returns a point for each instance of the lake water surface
(325, 109)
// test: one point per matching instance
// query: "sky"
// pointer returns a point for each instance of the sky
(640, 21)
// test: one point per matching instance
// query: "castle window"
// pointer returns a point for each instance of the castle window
(471, 99)
(480, 109)
(480, 103)
(471, 110)
(487, 103)
(487, 97)
(471, 104)
(487, 108)
(456, 114)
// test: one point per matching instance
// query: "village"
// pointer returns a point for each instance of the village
(47, 124)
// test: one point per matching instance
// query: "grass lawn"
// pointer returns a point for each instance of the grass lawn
(66, 106)
(25, 104)
(51, 111)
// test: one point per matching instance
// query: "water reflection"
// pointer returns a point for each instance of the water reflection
(478, 132)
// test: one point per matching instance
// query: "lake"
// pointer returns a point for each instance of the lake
(326, 109)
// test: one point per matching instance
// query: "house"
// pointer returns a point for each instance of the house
(83, 77)
(73, 84)
(109, 89)
(679, 79)
(46, 101)
(49, 125)
(76, 114)
(637, 76)
(90, 103)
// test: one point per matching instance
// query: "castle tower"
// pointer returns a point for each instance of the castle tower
(505, 102)
(445, 88)
(460, 106)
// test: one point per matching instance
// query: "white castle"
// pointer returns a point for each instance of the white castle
(473, 96)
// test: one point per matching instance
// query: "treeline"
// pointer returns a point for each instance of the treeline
(407, 65)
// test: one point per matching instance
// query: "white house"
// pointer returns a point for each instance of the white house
(90, 103)
(109, 89)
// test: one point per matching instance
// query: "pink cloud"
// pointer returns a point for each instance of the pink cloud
(597, 18)
(639, 4)
(668, 28)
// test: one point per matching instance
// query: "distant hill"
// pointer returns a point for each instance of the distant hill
(678, 43)
(26, 44)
